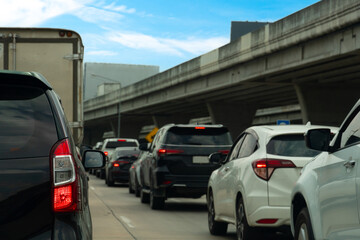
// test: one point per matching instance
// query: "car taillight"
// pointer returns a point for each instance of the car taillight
(117, 163)
(225, 152)
(264, 168)
(163, 152)
(106, 153)
(65, 184)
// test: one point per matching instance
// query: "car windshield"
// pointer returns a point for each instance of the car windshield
(127, 154)
(115, 144)
(198, 136)
(290, 145)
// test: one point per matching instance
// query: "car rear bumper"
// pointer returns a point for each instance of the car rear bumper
(182, 186)
(282, 214)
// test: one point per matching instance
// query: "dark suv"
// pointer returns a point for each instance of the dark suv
(177, 163)
(43, 183)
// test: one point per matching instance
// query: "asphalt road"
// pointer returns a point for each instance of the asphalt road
(116, 214)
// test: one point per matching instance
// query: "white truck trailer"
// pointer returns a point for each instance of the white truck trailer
(55, 53)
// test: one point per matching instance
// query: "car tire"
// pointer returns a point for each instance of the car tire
(215, 227)
(109, 182)
(243, 230)
(137, 189)
(156, 203)
(144, 197)
(303, 228)
(131, 190)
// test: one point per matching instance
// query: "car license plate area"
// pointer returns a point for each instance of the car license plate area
(200, 159)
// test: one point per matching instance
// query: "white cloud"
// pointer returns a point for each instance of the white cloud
(121, 8)
(33, 12)
(95, 15)
(195, 46)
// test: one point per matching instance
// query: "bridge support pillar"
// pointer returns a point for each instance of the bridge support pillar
(236, 117)
(161, 120)
(326, 104)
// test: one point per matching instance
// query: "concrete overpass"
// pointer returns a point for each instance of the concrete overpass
(310, 58)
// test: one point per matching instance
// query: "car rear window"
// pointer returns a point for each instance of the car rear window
(115, 144)
(127, 153)
(27, 127)
(198, 136)
(290, 145)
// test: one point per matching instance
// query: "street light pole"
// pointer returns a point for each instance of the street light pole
(119, 103)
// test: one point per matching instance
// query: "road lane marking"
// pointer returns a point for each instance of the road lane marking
(92, 188)
(127, 221)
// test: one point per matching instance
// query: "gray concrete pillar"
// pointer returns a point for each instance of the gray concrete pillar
(161, 120)
(326, 104)
(235, 116)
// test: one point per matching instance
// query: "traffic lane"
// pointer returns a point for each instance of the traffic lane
(180, 219)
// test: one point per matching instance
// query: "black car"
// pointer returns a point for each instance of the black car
(119, 163)
(177, 163)
(43, 183)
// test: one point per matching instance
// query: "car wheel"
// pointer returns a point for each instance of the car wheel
(215, 227)
(303, 228)
(109, 182)
(144, 197)
(131, 190)
(137, 189)
(243, 230)
(156, 202)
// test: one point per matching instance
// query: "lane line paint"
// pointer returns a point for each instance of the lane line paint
(127, 221)
(92, 188)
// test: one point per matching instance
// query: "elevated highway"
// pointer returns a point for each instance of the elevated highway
(310, 58)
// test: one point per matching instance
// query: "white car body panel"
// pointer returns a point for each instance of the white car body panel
(332, 191)
(262, 199)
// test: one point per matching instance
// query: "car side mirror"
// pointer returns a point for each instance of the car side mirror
(318, 139)
(217, 157)
(93, 159)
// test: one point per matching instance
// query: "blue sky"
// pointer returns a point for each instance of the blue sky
(147, 32)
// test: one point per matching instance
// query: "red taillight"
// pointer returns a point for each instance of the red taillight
(163, 152)
(65, 189)
(225, 152)
(267, 221)
(121, 140)
(106, 153)
(199, 127)
(264, 168)
(166, 182)
(117, 163)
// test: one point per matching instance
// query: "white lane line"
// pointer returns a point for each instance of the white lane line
(127, 221)
(92, 188)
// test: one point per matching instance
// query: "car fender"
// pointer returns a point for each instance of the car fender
(307, 187)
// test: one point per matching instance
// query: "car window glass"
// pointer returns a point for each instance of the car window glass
(115, 144)
(198, 136)
(292, 145)
(235, 152)
(352, 132)
(248, 147)
(27, 126)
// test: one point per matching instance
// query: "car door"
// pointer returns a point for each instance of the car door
(338, 182)
(220, 192)
(236, 172)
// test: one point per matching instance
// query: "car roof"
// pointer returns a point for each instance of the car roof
(288, 129)
(115, 139)
(194, 125)
(26, 78)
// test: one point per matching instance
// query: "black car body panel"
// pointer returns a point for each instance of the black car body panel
(32, 121)
(177, 163)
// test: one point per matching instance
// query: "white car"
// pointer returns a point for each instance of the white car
(252, 187)
(326, 197)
